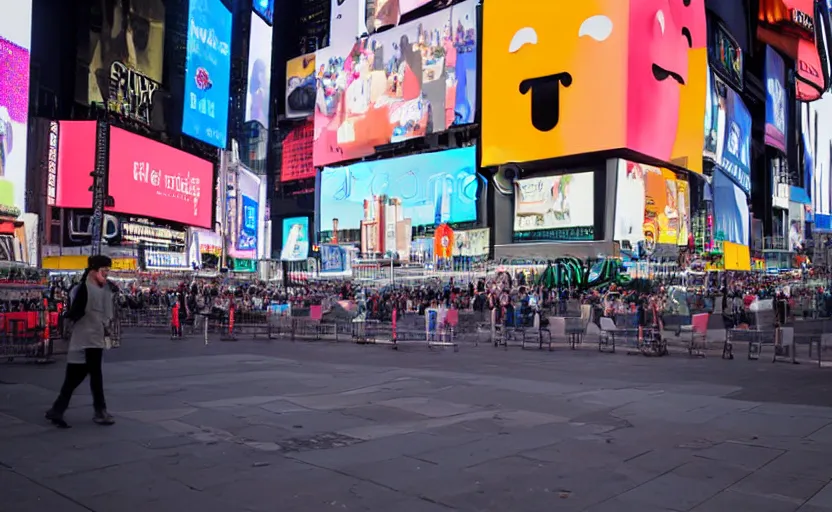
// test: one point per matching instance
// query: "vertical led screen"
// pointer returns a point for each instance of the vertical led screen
(549, 74)
(296, 156)
(428, 189)
(818, 136)
(651, 206)
(295, 239)
(776, 100)
(734, 144)
(264, 8)
(555, 208)
(731, 216)
(127, 42)
(300, 86)
(247, 216)
(409, 81)
(15, 43)
(259, 72)
(207, 72)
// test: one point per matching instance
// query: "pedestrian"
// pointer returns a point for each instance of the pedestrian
(90, 312)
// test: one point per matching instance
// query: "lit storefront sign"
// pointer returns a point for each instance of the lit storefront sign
(52, 158)
(141, 232)
(243, 265)
(725, 55)
(161, 260)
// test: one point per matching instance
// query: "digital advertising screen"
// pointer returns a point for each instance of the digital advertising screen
(333, 257)
(734, 147)
(247, 239)
(346, 21)
(731, 214)
(127, 40)
(76, 159)
(15, 45)
(388, 12)
(409, 81)
(264, 8)
(244, 215)
(555, 208)
(259, 72)
(207, 72)
(549, 74)
(295, 239)
(146, 178)
(300, 86)
(296, 157)
(150, 179)
(651, 206)
(776, 100)
(426, 189)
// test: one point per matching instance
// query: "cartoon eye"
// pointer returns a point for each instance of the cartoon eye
(521, 38)
(597, 27)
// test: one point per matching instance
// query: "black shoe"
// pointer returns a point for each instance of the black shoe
(57, 419)
(103, 418)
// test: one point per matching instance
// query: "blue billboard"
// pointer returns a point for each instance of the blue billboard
(207, 72)
(247, 239)
(429, 189)
(732, 221)
(264, 8)
(295, 239)
(777, 104)
(735, 159)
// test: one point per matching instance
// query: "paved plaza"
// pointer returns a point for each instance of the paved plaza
(297, 426)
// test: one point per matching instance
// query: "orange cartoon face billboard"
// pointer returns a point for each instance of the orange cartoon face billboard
(564, 78)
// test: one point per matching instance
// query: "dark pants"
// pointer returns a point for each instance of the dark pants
(75, 375)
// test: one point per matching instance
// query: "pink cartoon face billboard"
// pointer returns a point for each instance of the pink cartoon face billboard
(600, 75)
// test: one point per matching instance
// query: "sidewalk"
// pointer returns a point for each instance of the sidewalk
(264, 426)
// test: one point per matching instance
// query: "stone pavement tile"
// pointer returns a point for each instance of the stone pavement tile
(107, 480)
(551, 487)
(717, 473)
(303, 487)
(135, 496)
(590, 452)
(657, 462)
(492, 447)
(823, 435)
(774, 484)
(823, 499)
(813, 508)
(383, 413)
(674, 492)
(404, 473)
(202, 474)
(625, 505)
(265, 433)
(20, 494)
(55, 460)
(379, 449)
(417, 505)
(746, 456)
(213, 418)
(318, 421)
(768, 424)
(794, 410)
(732, 501)
(813, 465)
(428, 406)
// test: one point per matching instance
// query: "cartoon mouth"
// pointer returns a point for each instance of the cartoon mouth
(661, 74)
(545, 98)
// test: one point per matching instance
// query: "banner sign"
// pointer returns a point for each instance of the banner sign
(131, 92)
